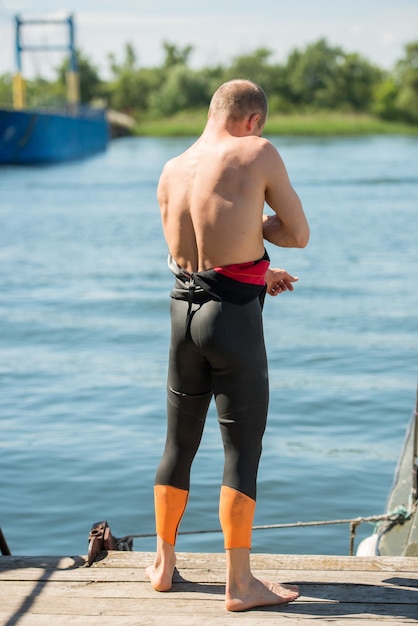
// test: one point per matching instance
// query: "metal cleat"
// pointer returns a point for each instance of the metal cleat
(101, 540)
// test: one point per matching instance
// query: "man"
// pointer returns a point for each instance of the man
(212, 200)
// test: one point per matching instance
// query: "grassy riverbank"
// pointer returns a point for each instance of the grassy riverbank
(320, 124)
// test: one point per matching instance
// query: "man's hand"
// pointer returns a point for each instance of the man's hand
(278, 280)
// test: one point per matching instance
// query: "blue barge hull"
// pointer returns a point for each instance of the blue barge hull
(35, 137)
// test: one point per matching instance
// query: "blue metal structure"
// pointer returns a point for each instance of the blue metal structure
(31, 136)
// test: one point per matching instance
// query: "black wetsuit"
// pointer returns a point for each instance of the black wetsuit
(217, 349)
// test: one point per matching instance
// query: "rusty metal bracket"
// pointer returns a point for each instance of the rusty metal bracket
(102, 540)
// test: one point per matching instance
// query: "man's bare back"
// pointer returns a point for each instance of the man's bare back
(213, 195)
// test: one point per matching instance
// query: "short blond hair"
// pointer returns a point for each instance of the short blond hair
(239, 98)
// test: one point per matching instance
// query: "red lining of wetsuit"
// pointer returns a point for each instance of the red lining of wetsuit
(250, 272)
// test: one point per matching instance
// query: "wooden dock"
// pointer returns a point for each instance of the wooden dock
(342, 591)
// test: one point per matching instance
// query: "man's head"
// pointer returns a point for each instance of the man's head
(239, 99)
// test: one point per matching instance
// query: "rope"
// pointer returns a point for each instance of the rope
(397, 516)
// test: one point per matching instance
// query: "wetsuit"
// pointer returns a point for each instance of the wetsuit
(217, 349)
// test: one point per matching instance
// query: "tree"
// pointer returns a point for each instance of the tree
(311, 75)
(90, 82)
(253, 67)
(131, 86)
(182, 89)
(356, 83)
(175, 55)
(406, 77)
(256, 67)
(385, 96)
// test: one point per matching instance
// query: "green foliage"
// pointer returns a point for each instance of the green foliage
(131, 87)
(406, 76)
(324, 77)
(384, 101)
(191, 123)
(312, 73)
(182, 88)
(272, 77)
(6, 99)
(42, 93)
(253, 67)
(175, 55)
(317, 78)
(89, 80)
(128, 64)
(356, 83)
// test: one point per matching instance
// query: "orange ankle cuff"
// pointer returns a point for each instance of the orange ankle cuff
(170, 504)
(236, 514)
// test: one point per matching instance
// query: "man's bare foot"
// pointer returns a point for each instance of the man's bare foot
(161, 572)
(161, 577)
(259, 593)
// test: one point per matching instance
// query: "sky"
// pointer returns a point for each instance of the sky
(218, 30)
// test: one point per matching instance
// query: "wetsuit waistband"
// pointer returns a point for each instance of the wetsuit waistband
(237, 283)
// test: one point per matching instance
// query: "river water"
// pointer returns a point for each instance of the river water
(84, 329)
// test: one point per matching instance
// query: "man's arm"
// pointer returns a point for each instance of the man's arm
(288, 227)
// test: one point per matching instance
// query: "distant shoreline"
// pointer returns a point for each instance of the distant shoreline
(321, 124)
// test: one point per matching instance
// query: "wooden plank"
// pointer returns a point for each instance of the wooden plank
(44, 562)
(29, 619)
(137, 575)
(201, 608)
(245, 619)
(186, 561)
(193, 560)
(205, 575)
(343, 590)
(312, 592)
(200, 602)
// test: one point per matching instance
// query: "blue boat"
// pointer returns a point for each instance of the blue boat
(36, 136)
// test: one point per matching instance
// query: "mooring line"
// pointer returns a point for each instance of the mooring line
(397, 516)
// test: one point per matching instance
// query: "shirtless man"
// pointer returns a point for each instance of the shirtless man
(212, 201)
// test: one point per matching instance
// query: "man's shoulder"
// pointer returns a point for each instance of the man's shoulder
(262, 144)
(176, 161)
(258, 148)
(170, 167)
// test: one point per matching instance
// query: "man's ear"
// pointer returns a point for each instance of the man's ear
(253, 121)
